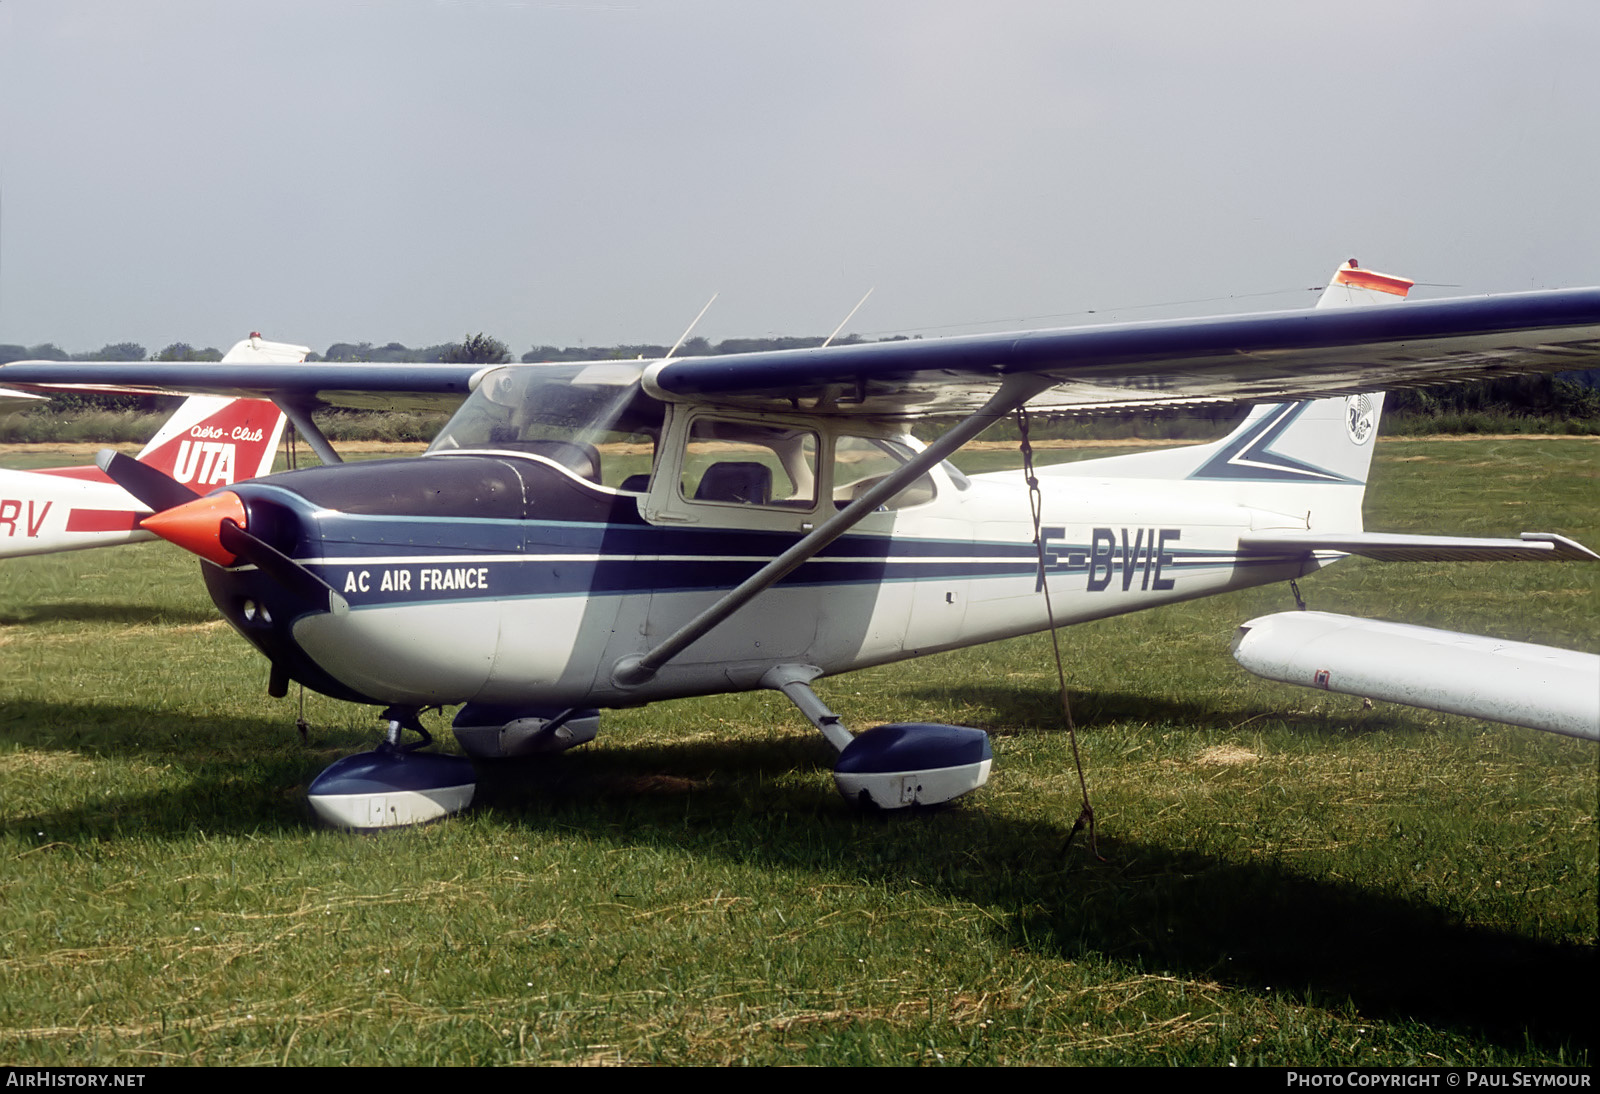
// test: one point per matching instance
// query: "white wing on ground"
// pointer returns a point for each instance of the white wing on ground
(1517, 682)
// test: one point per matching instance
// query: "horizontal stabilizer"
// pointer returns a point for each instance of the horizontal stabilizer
(1516, 682)
(1394, 547)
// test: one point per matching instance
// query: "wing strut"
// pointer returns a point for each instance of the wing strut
(1014, 391)
(300, 418)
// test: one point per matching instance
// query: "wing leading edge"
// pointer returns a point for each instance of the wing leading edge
(1270, 356)
(361, 384)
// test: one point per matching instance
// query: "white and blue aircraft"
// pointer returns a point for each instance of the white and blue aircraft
(611, 534)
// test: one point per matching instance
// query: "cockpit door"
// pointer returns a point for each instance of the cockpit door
(729, 493)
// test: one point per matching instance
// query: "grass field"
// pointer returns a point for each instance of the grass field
(1287, 878)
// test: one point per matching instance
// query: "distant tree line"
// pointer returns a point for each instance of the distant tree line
(117, 351)
(482, 348)
(477, 348)
(1562, 395)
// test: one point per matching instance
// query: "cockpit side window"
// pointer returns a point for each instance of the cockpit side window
(747, 463)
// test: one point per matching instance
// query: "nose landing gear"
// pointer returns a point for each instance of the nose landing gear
(395, 784)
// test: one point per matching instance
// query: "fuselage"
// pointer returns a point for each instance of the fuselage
(65, 509)
(508, 578)
(566, 521)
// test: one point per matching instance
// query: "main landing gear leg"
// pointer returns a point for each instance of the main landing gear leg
(890, 766)
(395, 784)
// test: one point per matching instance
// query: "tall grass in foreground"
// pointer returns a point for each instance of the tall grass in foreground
(1287, 878)
(94, 426)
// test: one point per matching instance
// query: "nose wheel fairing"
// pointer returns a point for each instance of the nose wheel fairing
(395, 784)
(391, 788)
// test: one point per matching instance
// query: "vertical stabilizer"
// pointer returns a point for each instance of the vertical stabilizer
(212, 440)
(1353, 287)
(1310, 457)
(1315, 442)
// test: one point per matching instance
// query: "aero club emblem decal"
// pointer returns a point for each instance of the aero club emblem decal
(1358, 418)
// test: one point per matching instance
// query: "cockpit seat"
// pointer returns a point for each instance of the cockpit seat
(739, 481)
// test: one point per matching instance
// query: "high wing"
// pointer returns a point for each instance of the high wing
(1095, 369)
(1266, 357)
(357, 385)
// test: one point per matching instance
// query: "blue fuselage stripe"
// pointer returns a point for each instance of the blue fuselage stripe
(387, 561)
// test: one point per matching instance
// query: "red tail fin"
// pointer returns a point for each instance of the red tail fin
(215, 441)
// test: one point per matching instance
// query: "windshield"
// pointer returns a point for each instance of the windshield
(592, 419)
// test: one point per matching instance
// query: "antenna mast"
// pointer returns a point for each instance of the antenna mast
(847, 318)
(684, 337)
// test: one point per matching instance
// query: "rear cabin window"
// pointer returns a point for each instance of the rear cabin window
(860, 462)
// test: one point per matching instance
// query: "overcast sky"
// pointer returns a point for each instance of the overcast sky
(414, 170)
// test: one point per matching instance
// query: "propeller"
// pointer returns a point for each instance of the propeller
(213, 527)
(153, 487)
(279, 566)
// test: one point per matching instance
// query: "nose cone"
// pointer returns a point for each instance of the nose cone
(197, 525)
